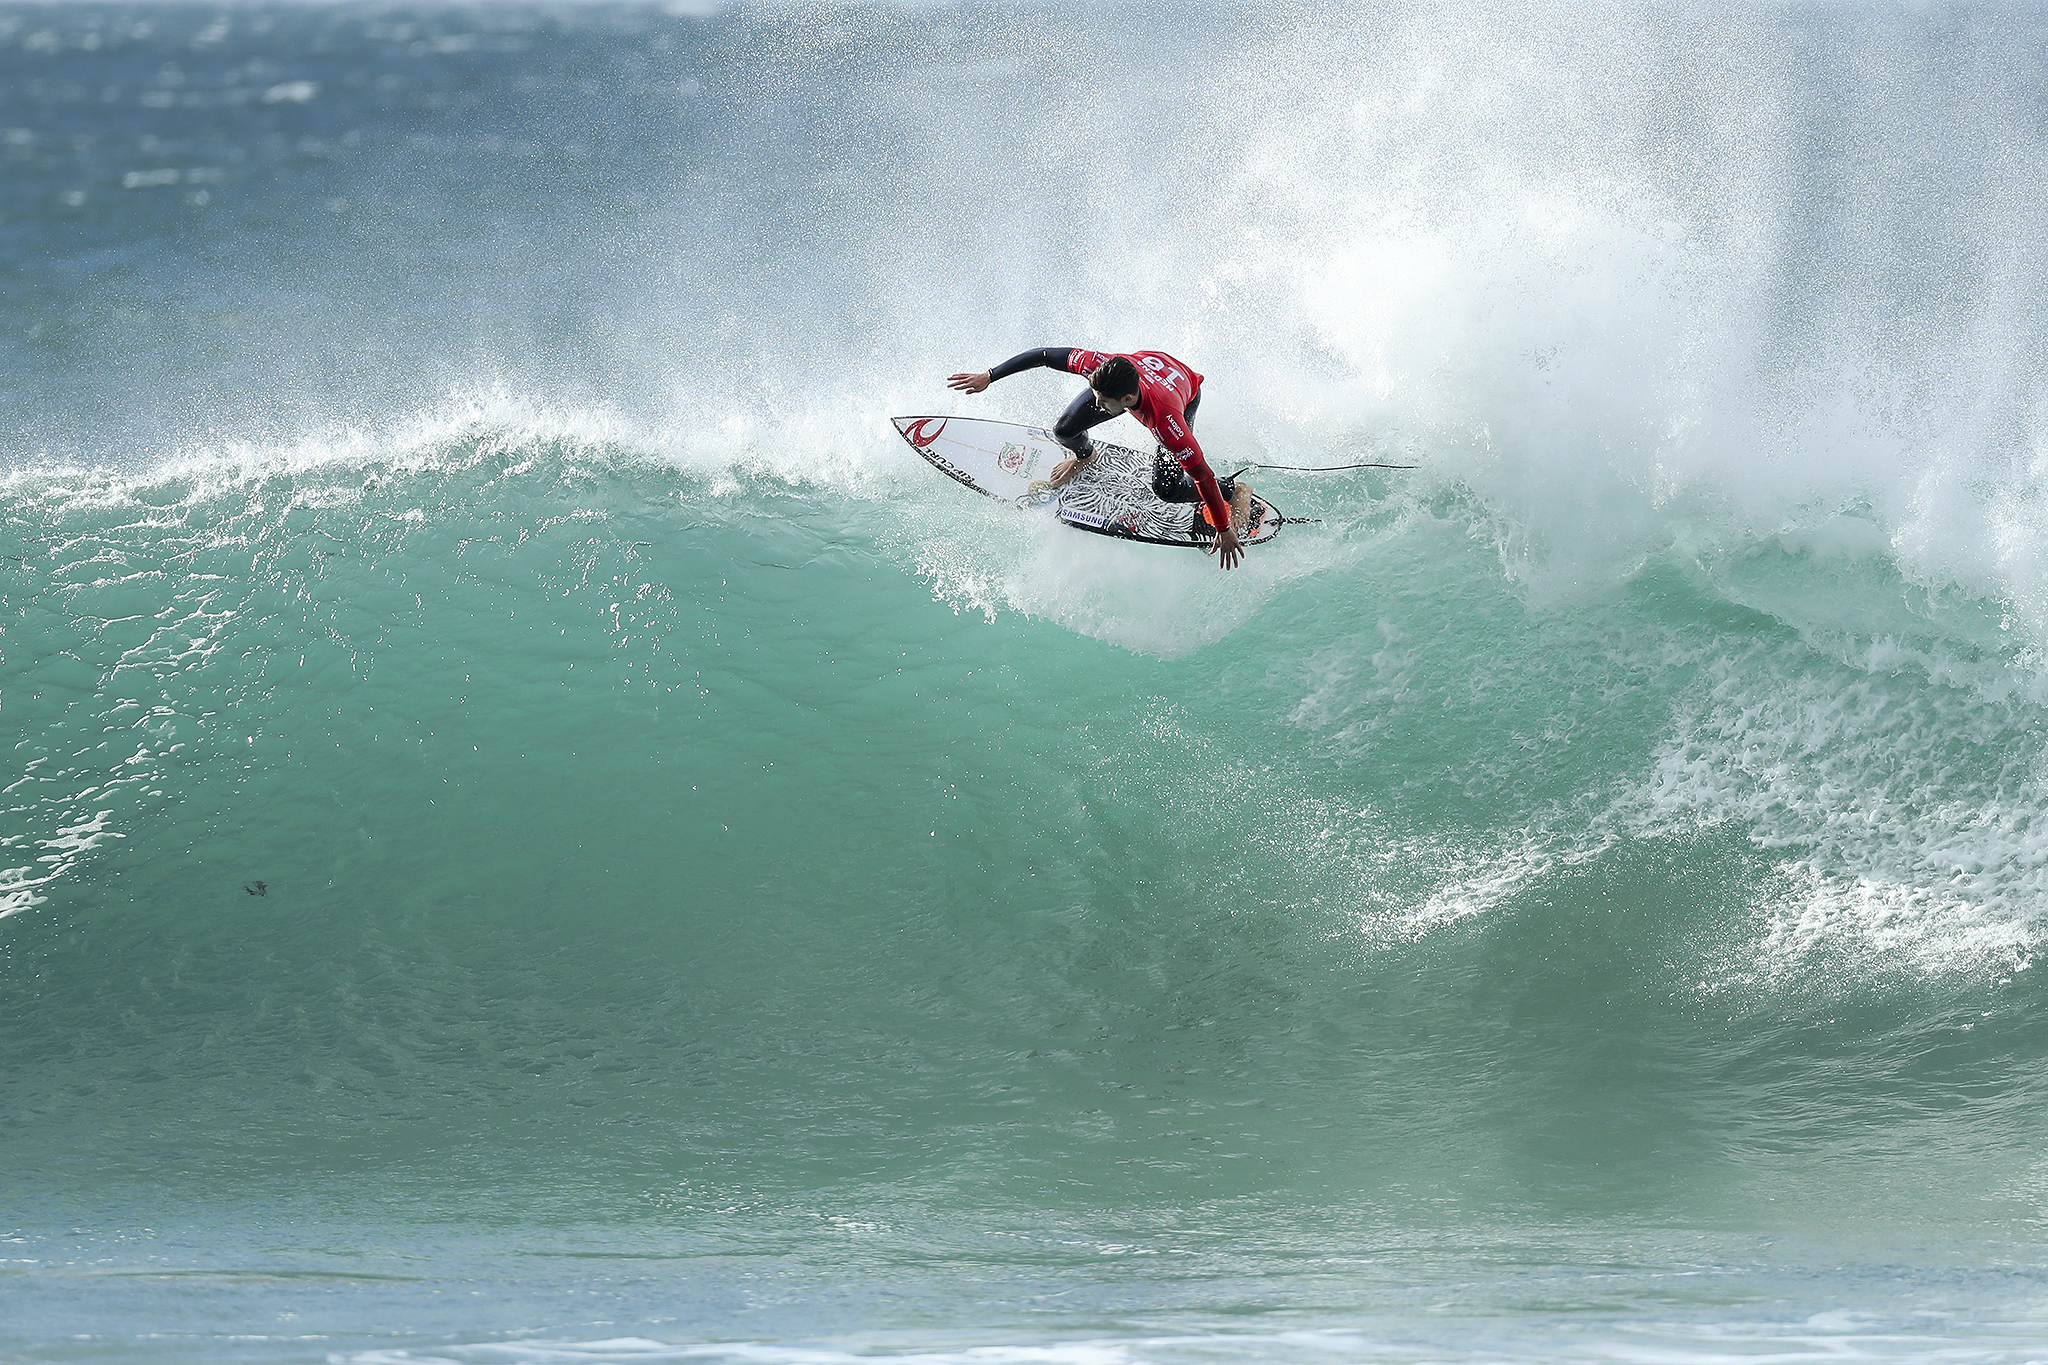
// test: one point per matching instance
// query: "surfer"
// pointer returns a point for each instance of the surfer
(1162, 394)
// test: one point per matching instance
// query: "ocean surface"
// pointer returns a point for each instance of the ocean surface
(533, 828)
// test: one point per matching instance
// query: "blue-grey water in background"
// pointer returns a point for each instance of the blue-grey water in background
(536, 829)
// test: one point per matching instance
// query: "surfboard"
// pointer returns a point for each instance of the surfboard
(1013, 463)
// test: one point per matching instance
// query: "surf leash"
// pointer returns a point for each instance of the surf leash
(1323, 468)
(1315, 469)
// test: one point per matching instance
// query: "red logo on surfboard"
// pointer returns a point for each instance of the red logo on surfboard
(918, 437)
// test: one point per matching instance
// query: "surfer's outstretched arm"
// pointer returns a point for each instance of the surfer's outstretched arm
(1045, 357)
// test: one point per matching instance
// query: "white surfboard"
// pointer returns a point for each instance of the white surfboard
(1113, 497)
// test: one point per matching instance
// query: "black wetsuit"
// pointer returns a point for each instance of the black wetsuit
(1170, 483)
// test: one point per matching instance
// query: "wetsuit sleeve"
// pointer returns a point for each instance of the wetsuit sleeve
(1181, 444)
(1048, 357)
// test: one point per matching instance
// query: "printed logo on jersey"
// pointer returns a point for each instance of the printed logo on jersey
(921, 439)
(1164, 373)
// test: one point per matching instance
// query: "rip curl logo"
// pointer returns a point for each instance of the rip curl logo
(919, 438)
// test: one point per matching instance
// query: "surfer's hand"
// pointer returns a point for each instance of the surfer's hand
(969, 383)
(1063, 473)
(1228, 551)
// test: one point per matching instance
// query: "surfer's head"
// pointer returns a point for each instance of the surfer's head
(1115, 382)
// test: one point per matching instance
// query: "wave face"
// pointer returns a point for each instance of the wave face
(537, 828)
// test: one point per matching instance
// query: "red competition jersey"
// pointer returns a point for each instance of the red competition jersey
(1165, 388)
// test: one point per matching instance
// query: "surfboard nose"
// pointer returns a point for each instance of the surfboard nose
(920, 431)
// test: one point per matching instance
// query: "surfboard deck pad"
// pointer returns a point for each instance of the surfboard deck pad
(1013, 463)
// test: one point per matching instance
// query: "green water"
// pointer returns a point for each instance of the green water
(613, 828)
(538, 830)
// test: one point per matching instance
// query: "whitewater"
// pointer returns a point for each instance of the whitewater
(536, 829)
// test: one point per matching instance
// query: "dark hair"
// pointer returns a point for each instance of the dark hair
(1117, 377)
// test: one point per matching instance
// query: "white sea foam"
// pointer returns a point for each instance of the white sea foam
(1828, 1336)
(1914, 827)
(1160, 601)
